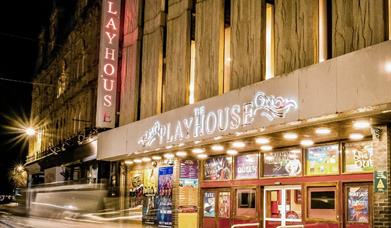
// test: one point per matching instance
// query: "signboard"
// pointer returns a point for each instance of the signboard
(188, 195)
(358, 157)
(218, 168)
(209, 204)
(165, 196)
(208, 122)
(246, 166)
(380, 181)
(358, 204)
(282, 163)
(322, 160)
(108, 64)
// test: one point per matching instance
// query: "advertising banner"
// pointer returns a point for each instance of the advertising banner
(282, 163)
(189, 169)
(209, 204)
(322, 160)
(358, 210)
(358, 157)
(165, 196)
(150, 196)
(136, 188)
(218, 168)
(247, 166)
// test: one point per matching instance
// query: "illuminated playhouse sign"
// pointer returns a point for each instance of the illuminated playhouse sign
(108, 62)
(204, 122)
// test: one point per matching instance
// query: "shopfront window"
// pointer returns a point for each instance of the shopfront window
(282, 163)
(218, 168)
(322, 160)
(246, 166)
(245, 202)
(358, 157)
(322, 202)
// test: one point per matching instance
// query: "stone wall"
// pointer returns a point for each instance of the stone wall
(296, 34)
(357, 24)
(247, 42)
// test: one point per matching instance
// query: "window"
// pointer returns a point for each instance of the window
(322, 160)
(245, 202)
(358, 157)
(321, 202)
(269, 41)
(283, 163)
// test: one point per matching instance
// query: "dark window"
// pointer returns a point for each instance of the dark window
(323, 200)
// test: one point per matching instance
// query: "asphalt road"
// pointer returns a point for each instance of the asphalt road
(12, 221)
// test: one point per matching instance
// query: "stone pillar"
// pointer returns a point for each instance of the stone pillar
(209, 42)
(381, 162)
(152, 59)
(357, 24)
(177, 76)
(130, 71)
(248, 23)
(296, 34)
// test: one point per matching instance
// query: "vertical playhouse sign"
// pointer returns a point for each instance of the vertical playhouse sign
(108, 64)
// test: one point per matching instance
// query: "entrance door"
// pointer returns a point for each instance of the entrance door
(216, 208)
(282, 206)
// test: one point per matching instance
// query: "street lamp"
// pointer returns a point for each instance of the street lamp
(29, 131)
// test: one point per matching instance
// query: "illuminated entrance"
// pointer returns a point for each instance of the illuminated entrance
(282, 206)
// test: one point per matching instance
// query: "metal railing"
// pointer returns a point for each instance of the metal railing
(245, 225)
(291, 226)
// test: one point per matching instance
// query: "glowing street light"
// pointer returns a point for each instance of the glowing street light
(29, 131)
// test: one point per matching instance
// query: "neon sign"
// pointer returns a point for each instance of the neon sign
(228, 118)
(108, 62)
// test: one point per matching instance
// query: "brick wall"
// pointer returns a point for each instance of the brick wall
(381, 160)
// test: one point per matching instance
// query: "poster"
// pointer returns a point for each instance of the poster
(282, 163)
(247, 166)
(188, 195)
(136, 188)
(224, 204)
(218, 168)
(322, 160)
(150, 196)
(358, 157)
(165, 196)
(209, 204)
(380, 181)
(358, 210)
(189, 169)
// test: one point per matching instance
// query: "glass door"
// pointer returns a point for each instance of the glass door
(216, 208)
(282, 206)
(358, 211)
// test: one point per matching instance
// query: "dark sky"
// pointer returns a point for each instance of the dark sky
(20, 23)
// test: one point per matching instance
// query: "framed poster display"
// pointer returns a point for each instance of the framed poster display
(358, 157)
(322, 160)
(246, 166)
(357, 204)
(165, 196)
(218, 168)
(209, 204)
(282, 163)
(224, 204)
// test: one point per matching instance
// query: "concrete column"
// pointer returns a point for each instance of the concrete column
(382, 162)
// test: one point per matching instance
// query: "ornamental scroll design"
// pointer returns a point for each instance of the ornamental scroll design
(272, 107)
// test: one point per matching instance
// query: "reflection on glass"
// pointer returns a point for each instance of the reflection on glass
(293, 204)
(273, 203)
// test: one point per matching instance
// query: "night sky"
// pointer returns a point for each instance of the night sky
(20, 23)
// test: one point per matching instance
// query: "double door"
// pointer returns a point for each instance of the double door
(282, 206)
(216, 211)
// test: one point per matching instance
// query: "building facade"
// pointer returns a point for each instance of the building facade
(228, 112)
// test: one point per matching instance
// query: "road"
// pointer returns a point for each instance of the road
(8, 220)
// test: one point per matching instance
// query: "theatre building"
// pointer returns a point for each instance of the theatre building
(270, 113)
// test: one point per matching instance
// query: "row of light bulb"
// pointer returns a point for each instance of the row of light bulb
(263, 141)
